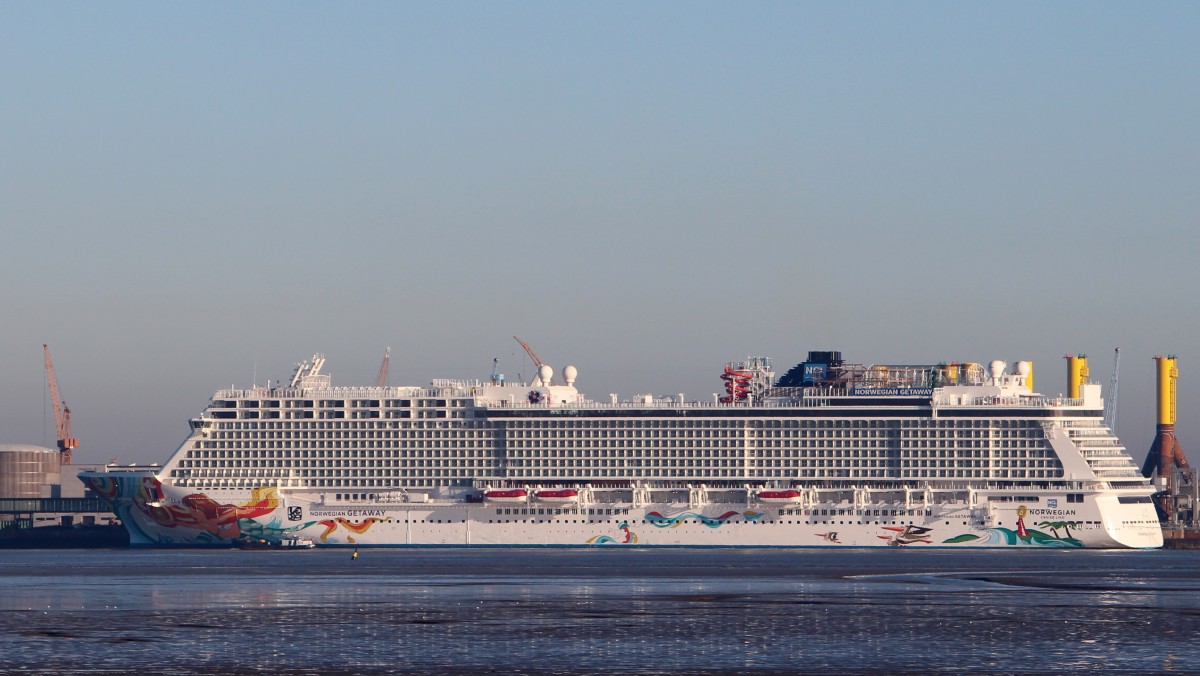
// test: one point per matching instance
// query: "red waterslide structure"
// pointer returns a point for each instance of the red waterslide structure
(737, 385)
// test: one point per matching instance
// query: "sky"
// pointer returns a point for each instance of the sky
(198, 195)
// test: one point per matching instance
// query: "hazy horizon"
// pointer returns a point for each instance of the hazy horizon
(200, 196)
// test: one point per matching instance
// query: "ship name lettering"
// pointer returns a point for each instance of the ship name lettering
(892, 391)
(348, 513)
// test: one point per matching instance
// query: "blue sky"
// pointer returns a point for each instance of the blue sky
(197, 194)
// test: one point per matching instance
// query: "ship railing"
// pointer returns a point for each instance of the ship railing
(132, 467)
(247, 476)
(1111, 464)
(1102, 449)
(1093, 446)
(239, 482)
(657, 403)
(1023, 401)
(1094, 439)
(443, 384)
(1094, 458)
(236, 471)
(1124, 470)
(1106, 440)
(1087, 426)
(316, 393)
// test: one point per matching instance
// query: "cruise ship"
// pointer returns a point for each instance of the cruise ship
(831, 454)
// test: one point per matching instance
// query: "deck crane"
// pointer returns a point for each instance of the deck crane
(537, 361)
(62, 414)
(1110, 415)
(381, 381)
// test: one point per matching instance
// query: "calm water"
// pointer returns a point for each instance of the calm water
(586, 611)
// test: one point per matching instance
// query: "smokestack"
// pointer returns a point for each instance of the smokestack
(1077, 372)
(1165, 453)
(1168, 373)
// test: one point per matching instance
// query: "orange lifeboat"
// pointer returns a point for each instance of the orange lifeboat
(558, 495)
(788, 496)
(514, 495)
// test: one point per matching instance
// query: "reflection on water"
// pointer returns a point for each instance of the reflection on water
(560, 611)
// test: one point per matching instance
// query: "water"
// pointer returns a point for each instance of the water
(584, 611)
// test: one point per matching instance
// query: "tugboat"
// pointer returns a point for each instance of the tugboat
(247, 542)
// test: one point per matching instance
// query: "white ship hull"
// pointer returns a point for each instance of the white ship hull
(835, 454)
(158, 514)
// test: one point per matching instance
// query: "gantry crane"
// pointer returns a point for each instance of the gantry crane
(381, 381)
(62, 414)
(537, 361)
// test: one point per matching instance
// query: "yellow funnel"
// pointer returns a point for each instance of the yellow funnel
(1167, 374)
(1077, 372)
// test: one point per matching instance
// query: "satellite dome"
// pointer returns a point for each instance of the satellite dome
(569, 374)
(996, 368)
(546, 373)
(1023, 368)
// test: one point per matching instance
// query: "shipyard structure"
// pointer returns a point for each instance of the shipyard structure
(1177, 482)
(34, 491)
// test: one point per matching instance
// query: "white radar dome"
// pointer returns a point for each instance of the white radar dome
(1023, 368)
(546, 373)
(569, 374)
(996, 368)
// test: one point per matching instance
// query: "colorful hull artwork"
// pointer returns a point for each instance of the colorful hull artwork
(153, 517)
(1005, 536)
(159, 514)
(629, 537)
(656, 519)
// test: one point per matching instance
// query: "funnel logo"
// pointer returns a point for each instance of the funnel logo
(295, 513)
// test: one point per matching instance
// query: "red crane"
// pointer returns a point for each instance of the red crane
(537, 361)
(62, 414)
(381, 381)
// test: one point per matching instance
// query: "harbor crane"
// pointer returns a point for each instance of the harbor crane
(537, 361)
(1110, 415)
(381, 381)
(62, 414)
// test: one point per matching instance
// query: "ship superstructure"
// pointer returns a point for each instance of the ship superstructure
(829, 454)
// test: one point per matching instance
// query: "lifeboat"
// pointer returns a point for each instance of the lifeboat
(788, 496)
(558, 495)
(514, 495)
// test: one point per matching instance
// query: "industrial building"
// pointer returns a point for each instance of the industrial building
(42, 501)
(36, 491)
